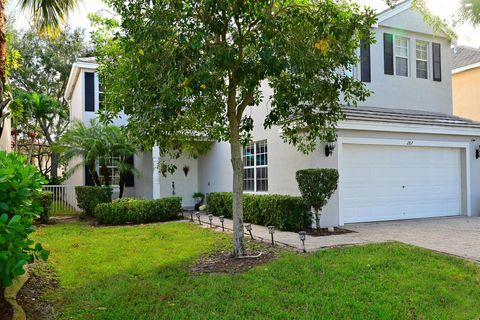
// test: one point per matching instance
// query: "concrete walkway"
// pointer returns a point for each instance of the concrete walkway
(459, 236)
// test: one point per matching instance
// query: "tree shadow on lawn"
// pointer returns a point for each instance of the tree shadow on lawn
(379, 281)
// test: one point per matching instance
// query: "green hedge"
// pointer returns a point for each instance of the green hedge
(45, 199)
(284, 212)
(128, 210)
(89, 196)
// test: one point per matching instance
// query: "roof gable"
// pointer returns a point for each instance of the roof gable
(405, 16)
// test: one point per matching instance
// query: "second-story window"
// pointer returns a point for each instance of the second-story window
(421, 54)
(401, 56)
(255, 167)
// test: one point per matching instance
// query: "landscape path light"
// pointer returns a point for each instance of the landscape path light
(249, 229)
(303, 236)
(222, 220)
(198, 217)
(210, 217)
(271, 230)
(191, 216)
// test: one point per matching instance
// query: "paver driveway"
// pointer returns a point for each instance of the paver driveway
(458, 236)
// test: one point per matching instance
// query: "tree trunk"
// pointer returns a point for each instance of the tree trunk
(237, 203)
(3, 58)
(121, 185)
(317, 219)
(54, 165)
(94, 175)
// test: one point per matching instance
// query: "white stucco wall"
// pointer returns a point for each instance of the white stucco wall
(391, 91)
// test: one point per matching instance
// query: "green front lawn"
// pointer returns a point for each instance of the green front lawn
(141, 272)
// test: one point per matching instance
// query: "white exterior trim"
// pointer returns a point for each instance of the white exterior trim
(407, 128)
(466, 68)
(402, 142)
(73, 77)
(392, 12)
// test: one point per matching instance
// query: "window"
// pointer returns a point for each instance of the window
(255, 167)
(421, 54)
(112, 171)
(401, 56)
(101, 97)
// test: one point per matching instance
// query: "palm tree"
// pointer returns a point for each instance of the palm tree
(122, 149)
(47, 16)
(99, 144)
(85, 143)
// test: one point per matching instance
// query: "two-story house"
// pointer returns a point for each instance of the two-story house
(400, 155)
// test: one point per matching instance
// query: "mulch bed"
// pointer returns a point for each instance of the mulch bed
(6, 311)
(223, 262)
(324, 232)
(30, 297)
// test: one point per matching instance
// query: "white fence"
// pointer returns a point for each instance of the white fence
(64, 199)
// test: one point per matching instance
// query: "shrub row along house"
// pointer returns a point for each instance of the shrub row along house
(400, 155)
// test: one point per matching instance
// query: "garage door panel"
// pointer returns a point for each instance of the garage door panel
(400, 182)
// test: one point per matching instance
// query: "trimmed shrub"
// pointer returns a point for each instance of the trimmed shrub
(45, 199)
(128, 210)
(20, 185)
(88, 197)
(284, 212)
(316, 187)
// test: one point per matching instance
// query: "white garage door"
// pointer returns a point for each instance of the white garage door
(399, 182)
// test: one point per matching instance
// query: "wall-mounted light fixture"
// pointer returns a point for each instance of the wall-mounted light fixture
(329, 147)
(477, 153)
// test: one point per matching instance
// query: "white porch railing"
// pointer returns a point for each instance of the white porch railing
(64, 199)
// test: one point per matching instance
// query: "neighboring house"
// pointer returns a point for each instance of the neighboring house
(5, 138)
(401, 154)
(465, 82)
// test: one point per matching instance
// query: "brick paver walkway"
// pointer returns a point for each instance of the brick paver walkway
(459, 236)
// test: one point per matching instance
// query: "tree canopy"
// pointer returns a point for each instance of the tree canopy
(186, 70)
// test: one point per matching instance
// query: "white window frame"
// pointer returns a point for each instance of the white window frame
(114, 171)
(427, 44)
(255, 166)
(395, 55)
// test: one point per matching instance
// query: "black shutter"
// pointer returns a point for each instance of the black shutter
(365, 62)
(89, 91)
(88, 178)
(437, 62)
(388, 53)
(130, 179)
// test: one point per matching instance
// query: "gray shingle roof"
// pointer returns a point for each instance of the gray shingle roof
(87, 60)
(464, 56)
(388, 115)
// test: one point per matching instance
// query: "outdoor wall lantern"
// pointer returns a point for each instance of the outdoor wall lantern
(477, 153)
(271, 230)
(222, 219)
(303, 236)
(249, 229)
(198, 217)
(186, 169)
(329, 147)
(210, 217)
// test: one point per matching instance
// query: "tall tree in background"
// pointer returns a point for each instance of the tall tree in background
(470, 12)
(44, 68)
(183, 68)
(47, 17)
